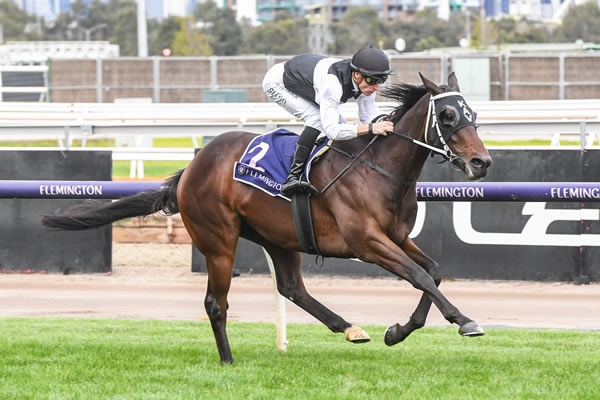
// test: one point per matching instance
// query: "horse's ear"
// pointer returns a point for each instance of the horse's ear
(432, 87)
(453, 81)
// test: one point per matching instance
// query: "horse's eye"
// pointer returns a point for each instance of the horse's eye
(448, 117)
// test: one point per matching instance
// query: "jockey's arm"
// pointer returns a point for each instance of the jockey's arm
(367, 111)
(333, 124)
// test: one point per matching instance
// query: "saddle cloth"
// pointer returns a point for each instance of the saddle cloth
(267, 160)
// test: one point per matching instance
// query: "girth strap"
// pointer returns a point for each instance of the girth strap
(303, 224)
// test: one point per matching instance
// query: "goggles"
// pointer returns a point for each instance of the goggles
(372, 80)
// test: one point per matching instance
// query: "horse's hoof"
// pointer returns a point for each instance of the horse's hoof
(391, 335)
(394, 335)
(356, 335)
(471, 329)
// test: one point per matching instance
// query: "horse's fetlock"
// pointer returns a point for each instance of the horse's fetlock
(414, 324)
(288, 292)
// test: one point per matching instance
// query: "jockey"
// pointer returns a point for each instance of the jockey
(312, 87)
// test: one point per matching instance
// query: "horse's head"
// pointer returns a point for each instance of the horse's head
(451, 124)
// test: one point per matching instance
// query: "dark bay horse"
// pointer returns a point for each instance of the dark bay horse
(366, 214)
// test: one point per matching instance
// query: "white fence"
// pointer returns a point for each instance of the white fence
(498, 120)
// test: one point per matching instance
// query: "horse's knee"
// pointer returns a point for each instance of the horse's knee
(420, 279)
(212, 307)
(434, 271)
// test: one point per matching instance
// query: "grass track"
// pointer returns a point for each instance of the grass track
(115, 359)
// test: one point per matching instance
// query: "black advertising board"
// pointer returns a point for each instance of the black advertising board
(542, 241)
(26, 245)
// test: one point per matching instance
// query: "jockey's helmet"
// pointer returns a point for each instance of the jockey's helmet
(371, 61)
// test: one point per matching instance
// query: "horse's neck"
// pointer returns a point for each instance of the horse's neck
(401, 158)
(405, 159)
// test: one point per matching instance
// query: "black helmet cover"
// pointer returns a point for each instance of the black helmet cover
(371, 61)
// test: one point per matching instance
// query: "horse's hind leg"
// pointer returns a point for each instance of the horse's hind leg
(218, 246)
(397, 333)
(219, 280)
(291, 286)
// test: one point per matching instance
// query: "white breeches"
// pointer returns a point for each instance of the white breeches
(297, 106)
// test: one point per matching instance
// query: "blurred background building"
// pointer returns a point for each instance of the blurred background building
(258, 11)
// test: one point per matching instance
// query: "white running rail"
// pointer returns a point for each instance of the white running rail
(499, 120)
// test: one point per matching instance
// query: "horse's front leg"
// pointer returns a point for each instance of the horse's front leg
(376, 247)
(397, 333)
(291, 286)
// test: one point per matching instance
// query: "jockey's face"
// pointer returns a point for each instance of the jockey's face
(364, 87)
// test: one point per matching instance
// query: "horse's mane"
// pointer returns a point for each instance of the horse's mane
(405, 94)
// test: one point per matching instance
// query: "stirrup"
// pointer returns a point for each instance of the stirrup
(298, 187)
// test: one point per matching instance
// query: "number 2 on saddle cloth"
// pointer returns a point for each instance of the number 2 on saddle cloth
(267, 160)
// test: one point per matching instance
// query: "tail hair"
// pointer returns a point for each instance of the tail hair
(167, 202)
(95, 213)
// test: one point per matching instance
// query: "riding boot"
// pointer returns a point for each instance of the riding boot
(293, 183)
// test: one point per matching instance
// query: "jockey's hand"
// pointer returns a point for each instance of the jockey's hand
(383, 127)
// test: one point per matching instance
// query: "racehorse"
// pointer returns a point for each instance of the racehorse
(367, 213)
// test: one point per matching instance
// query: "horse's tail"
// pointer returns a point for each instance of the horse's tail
(94, 213)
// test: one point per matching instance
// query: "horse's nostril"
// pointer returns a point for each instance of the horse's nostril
(479, 163)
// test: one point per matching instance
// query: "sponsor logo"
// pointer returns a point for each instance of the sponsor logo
(278, 98)
(75, 190)
(451, 192)
(534, 233)
(264, 180)
(574, 193)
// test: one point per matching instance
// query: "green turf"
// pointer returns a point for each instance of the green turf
(114, 359)
(176, 142)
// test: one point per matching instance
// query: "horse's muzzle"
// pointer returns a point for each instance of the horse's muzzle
(477, 167)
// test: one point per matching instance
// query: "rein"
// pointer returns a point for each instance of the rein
(445, 151)
(354, 159)
(370, 164)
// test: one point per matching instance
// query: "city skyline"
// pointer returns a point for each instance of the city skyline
(258, 11)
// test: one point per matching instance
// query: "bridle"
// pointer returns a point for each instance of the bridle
(442, 134)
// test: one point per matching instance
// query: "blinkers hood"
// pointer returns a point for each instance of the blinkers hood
(461, 116)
